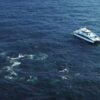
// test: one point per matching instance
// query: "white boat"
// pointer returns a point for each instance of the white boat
(87, 35)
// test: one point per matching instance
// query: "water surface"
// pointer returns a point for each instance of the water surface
(39, 57)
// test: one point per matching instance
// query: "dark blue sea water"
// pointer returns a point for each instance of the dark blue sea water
(39, 57)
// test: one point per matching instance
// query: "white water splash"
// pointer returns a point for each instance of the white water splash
(12, 59)
(42, 56)
(64, 77)
(11, 69)
(8, 77)
(11, 73)
(15, 62)
(31, 57)
(64, 70)
(32, 79)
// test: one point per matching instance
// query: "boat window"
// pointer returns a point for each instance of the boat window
(87, 33)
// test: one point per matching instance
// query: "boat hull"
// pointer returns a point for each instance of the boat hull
(91, 41)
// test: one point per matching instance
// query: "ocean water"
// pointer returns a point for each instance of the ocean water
(40, 59)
